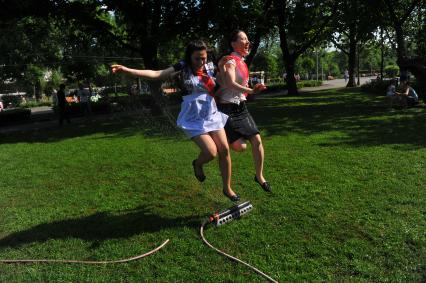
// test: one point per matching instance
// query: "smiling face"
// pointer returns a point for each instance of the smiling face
(241, 44)
(198, 59)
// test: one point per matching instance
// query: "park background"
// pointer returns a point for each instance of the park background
(348, 174)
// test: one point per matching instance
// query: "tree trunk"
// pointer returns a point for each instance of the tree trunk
(253, 50)
(260, 30)
(357, 66)
(139, 85)
(382, 55)
(288, 58)
(401, 49)
(149, 54)
(158, 102)
(351, 60)
(291, 81)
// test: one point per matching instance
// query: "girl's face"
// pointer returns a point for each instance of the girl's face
(198, 59)
(242, 44)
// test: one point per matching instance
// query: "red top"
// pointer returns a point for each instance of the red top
(241, 70)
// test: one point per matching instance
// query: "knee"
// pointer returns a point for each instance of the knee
(256, 141)
(223, 151)
(211, 153)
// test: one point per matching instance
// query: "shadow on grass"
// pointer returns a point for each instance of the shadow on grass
(362, 119)
(99, 227)
(110, 127)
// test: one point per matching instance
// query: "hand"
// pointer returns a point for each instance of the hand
(117, 69)
(258, 88)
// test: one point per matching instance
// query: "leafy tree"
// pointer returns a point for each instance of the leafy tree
(305, 66)
(405, 18)
(296, 32)
(355, 24)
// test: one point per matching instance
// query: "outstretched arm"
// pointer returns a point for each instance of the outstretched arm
(145, 74)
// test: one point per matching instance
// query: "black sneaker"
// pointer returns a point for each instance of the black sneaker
(201, 177)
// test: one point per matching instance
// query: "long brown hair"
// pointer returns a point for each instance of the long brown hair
(195, 45)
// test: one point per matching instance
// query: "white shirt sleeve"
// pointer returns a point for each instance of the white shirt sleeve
(232, 62)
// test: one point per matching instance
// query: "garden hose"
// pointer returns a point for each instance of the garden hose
(84, 261)
(264, 275)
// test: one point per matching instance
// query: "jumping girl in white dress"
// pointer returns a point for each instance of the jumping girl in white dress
(199, 117)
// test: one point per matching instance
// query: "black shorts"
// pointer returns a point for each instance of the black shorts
(240, 124)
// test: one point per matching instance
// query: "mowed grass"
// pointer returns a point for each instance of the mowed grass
(349, 200)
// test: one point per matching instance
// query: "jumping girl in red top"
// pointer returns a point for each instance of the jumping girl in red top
(231, 97)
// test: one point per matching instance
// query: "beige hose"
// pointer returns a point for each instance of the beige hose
(264, 275)
(84, 261)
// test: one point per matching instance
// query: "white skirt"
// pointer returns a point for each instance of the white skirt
(199, 115)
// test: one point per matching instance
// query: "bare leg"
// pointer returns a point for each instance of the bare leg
(208, 151)
(239, 145)
(225, 164)
(258, 156)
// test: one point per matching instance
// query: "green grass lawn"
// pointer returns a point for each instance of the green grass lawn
(349, 200)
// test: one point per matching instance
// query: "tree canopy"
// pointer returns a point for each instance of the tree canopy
(78, 39)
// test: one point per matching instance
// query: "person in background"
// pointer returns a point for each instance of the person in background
(55, 97)
(84, 97)
(346, 75)
(1, 106)
(254, 81)
(62, 105)
(391, 96)
(407, 95)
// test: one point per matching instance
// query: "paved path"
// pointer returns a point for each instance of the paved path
(338, 83)
(41, 110)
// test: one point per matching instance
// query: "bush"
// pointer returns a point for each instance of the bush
(391, 71)
(102, 107)
(376, 87)
(300, 84)
(312, 83)
(9, 116)
(31, 104)
(131, 102)
(110, 91)
(275, 87)
(13, 100)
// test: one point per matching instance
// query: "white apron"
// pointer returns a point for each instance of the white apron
(199, 114)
